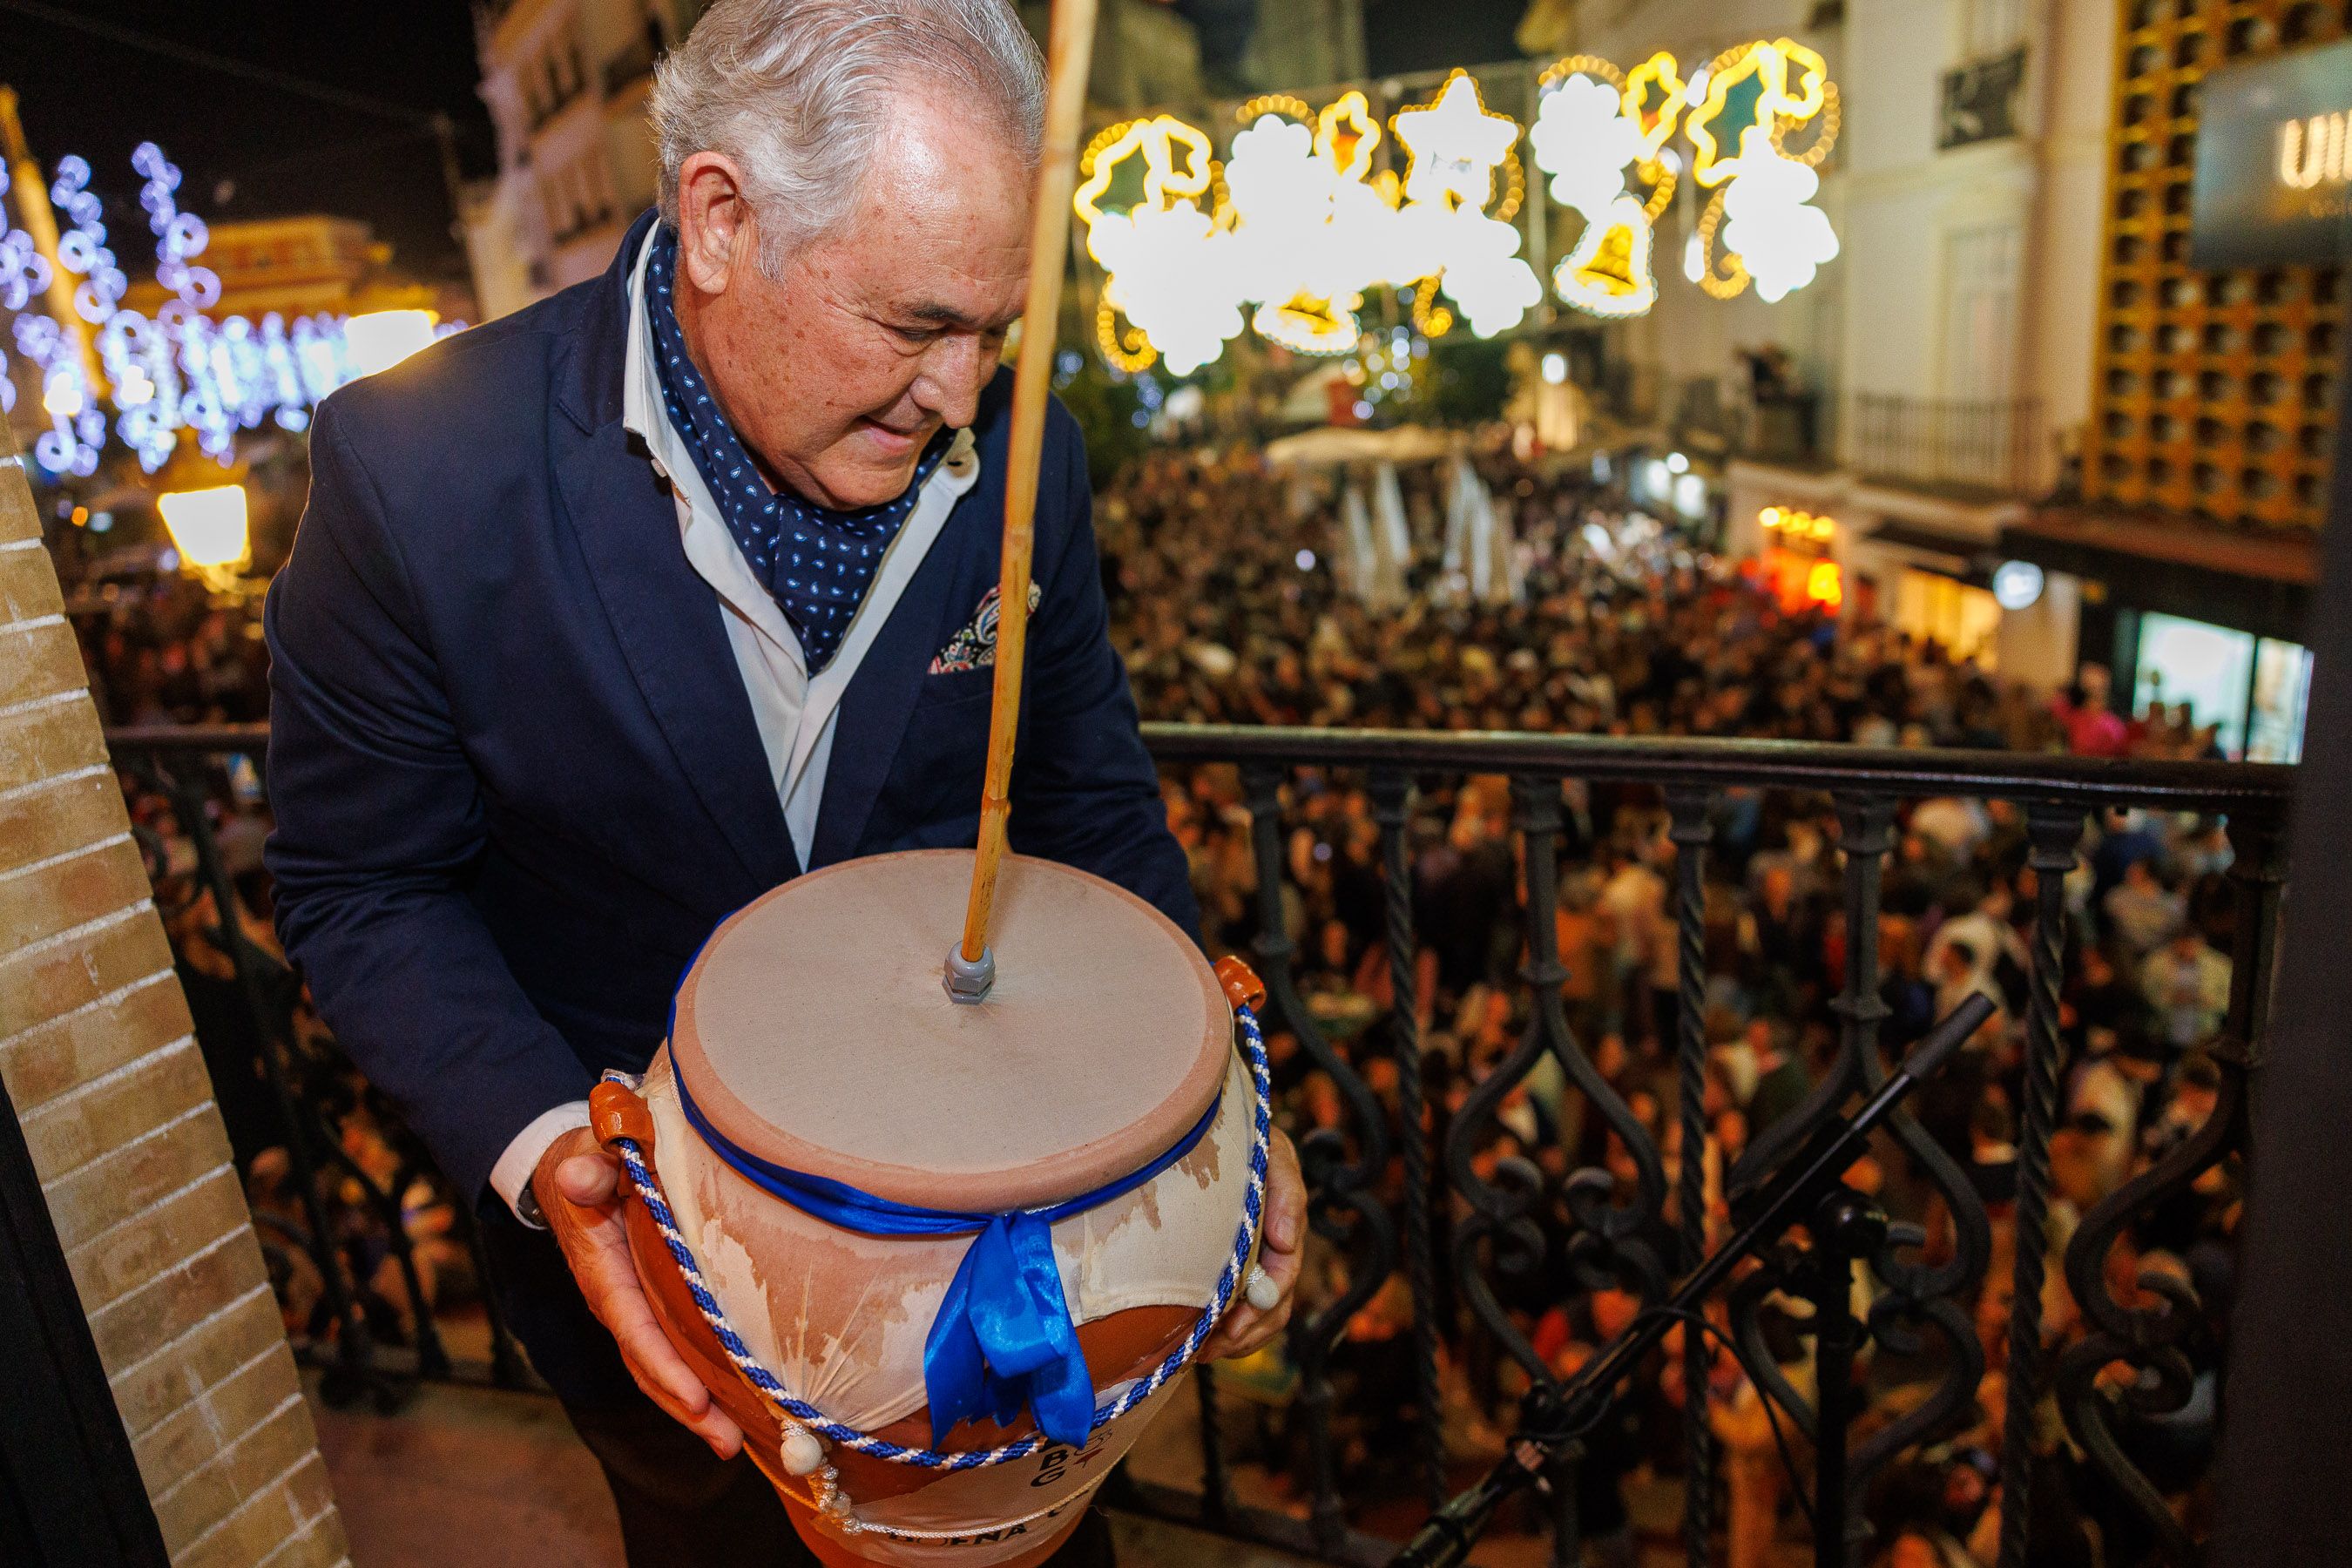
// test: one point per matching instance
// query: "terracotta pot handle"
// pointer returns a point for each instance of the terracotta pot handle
(1242, 987)
(615, 1111)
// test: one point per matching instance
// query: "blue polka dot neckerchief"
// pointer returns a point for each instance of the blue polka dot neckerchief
(816, 563)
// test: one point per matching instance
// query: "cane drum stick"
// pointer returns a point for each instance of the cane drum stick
(970, 967)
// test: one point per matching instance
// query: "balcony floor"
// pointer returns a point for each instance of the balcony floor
(477, 1478)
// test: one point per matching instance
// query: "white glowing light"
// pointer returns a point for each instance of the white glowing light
(1555, 368)
(2017, 584)
(1690, 496)
(1171, 269)
(1677, 464)
(178, 371)
(381, 339)
(208, 529)
(1779, 238)
(1457, 145)
(1608, 271)
(1587, 135)
(1485, 276)
(1585, 144)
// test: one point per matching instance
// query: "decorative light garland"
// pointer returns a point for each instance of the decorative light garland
(178, 370)
(1297, 228)
(1586, 137)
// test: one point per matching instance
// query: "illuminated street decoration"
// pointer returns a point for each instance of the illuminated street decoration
(1300, 227)
(1773, 235)
(179, 371)
(1779, 238)
(1457, 147)
(1296, 227)
(1597, 125)
(1589, 133)
(1168, 264)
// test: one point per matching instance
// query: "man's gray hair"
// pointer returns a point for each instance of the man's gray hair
(799, 92)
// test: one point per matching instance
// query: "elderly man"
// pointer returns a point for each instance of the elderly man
(607, 617)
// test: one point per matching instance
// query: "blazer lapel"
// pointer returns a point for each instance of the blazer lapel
(667, 619)
(880, 700)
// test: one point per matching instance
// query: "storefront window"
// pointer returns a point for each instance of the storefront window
(2209, 667)
(1955, 616)
(2281, 690)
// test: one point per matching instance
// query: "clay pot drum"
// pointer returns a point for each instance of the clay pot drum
(813, 1036)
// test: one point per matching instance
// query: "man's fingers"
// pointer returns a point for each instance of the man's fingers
(1281, 1266)
(713, 1426)
(1245, 1329)
(662, 1372)
(630, 1317)
(595, 1243)
(1280, 1255)
(589, 1180)
(1285, 1221)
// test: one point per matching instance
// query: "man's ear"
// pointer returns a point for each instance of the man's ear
(718, 230)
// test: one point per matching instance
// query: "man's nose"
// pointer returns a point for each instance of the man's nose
(953, 373)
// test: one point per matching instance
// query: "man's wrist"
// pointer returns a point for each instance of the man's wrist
(510, 1177)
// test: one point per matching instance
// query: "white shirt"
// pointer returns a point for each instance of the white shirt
(796, 713)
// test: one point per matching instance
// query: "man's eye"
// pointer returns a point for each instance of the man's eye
(917, 335)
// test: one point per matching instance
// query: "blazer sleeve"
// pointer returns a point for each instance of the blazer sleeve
(1085, 791)
(379, 827)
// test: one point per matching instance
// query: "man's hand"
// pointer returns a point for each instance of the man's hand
(578, 1188)
(1246, 1329)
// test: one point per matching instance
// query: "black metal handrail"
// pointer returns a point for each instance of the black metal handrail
(1397, 1200)
(2090, 782)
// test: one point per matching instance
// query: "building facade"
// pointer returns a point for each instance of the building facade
(2212, 386)
(2044, 437)
(566, 82)
(308, 264)
(1935, 379)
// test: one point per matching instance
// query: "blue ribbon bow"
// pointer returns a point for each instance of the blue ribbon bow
(1003, 1340)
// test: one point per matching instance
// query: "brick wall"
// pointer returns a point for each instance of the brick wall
(95, 1053)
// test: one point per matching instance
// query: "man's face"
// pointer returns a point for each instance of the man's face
(839, 373)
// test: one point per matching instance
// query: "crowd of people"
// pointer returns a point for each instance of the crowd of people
(1224, 617)
(1225, 605)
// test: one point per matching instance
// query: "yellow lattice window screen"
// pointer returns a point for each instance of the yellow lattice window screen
(2211, 390)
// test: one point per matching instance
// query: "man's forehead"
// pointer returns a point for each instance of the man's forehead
(938, 241)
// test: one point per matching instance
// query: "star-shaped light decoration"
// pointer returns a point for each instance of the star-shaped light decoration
(1457, 145)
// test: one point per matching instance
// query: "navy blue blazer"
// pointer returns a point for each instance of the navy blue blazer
(514, 769)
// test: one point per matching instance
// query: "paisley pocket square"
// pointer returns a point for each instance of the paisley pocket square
(974, 646)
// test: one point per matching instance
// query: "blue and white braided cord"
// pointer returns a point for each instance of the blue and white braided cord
(649, 1187)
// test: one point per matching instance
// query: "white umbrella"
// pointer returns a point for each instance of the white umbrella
(1392, 540)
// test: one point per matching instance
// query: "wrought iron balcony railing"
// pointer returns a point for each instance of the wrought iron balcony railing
(1414, 1198)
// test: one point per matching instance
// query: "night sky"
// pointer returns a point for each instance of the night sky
(248, 149)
